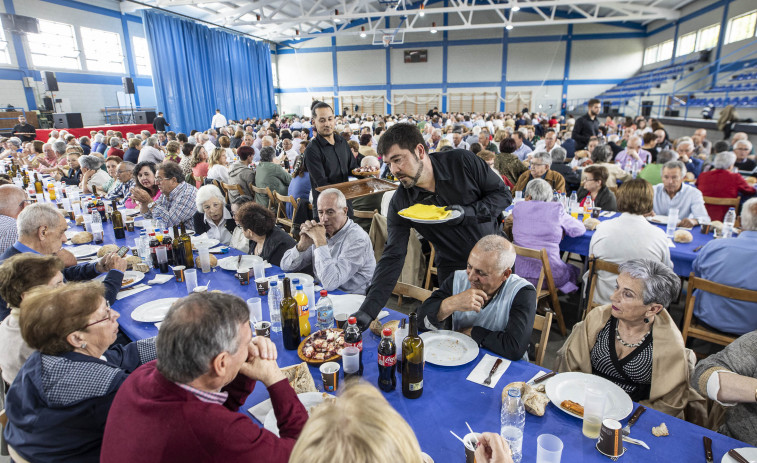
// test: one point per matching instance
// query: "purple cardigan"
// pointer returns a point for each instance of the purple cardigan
(536, 225)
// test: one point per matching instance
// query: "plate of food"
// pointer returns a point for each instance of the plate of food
(750, 453)
(567, 390)
(200, 242)
(84, 250)
(427, 213)
(232, 263)
(129, 212)
(153, 311)
(131, 278)
(365, 172)
(662, 219)
(309, 399)
(322, 346)
(448, 348)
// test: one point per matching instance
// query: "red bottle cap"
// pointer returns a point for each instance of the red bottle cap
(387, 332)
(352, 321)
(324, 293)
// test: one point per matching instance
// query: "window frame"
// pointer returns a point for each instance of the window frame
(137, 64)
(650, 54)
(5, 52)
(681, 40)
(729, 29)
(46, 55)
(86, 43)
(699, 45)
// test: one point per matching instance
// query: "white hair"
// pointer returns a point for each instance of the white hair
(542, 156)
(539, 190)
(206, 193)
(505, 252)
(341, 201)
(724, 160)
(749, 215)
(370, 161)
(743, 142)
(688, 143)
(35, 216)
(90, 162)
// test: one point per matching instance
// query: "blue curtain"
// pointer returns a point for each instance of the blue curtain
(197, 69)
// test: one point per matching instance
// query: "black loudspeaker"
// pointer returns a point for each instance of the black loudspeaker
(646, 108)
(144, 117)
(67, 121)
(51, 83)
(47, 102)
(672, 113)
(704, 56)
(128, 85)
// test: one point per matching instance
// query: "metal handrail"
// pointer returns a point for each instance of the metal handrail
(711, 65)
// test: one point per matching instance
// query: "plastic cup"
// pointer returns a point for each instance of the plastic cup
(262, 286)
(330, 376)
(204, 256)
(548, 449)
(470, 440)
(255, 306)
(594, 408)
(190, 278)
(263, 329)
(341, 320)
(704, 225)
(88, 222)
(258, 268)
(178, 272)
(309, 289)
(350, 360)
(672, 222)
(243, 275)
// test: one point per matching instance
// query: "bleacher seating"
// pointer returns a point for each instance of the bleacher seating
(728, 90)
(643, 81)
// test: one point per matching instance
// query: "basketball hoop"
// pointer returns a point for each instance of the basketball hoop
(387, 39)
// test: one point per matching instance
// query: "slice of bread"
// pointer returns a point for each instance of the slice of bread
(299, 378)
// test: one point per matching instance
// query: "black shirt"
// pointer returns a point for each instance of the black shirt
(160, 123)
(24, 128)
(328, 164)
(584, 129)
(510, 343)
(462, 179)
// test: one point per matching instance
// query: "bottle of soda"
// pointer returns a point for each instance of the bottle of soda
(302, 311)
(37, 184)
(154, 243)
(168, 245)
(412, 361)
(387, 362)
(324, 311)
(354, 338)
(290, 323)
(101, 209)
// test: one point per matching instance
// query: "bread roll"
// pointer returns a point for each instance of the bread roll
(534, 401)
(141, 267)
(299, 378)
(82, 237)
(79, 220)
(591, 223)
(683, 236)
(132, 261)
(107, 249)
(717, 225)
(213, 261)
(661, 430)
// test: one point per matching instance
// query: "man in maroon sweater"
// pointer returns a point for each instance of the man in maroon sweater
(183, 406)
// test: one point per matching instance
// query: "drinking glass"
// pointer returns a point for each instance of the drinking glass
(350, 360)
(672, 222)
(204, 255)
(255, 306)
(594, 407)
(548, 449)
(190, 278)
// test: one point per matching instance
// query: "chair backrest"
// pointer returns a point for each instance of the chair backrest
(542, 323)
(733, 202)
(545, 275)
(595, 265)
(691, 330)
(533, 254)
(229, 187)
(200, 180)
(281, 210)
(431, 269)
(364, 214)
(407, 290)
(265, 191)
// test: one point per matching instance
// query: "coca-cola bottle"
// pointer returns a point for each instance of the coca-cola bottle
(387, 362)
(354, 338)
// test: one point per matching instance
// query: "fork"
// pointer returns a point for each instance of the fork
(488, 379)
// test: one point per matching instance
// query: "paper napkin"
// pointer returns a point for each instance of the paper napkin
(160, 279)
(132, 291)
(481, 372)
(261, 410)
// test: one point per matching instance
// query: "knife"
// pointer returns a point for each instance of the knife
(707, 449)
(488, 379)
(542, 378)
(239, 261)
(639, 410)
(631, 440)
(737, 456)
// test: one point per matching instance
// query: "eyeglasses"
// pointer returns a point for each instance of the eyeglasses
(533, 166)
(111, 312)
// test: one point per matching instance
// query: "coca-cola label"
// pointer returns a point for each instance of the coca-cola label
(358, 344)
(387, 360)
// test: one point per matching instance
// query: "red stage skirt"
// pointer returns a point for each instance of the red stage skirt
(44, 134)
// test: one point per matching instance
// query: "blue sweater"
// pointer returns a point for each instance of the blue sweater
(57, 406)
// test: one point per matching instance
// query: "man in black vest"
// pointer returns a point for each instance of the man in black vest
(160, 123)
(587, 126)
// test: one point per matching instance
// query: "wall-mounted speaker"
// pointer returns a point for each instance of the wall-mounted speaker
(51, 83)
(128, 85)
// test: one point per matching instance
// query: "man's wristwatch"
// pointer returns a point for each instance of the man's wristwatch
(151, 205)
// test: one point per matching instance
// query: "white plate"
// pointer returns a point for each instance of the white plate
(454, 215)
(303, 277)
(661, 219)
(84, 250)
(750, 453)
(129, 274)
(153, 311)
(209, 242)
(308, 399)
(346, 303)
(448, 348)
(230, 263)
(572, 386)
(129, 212)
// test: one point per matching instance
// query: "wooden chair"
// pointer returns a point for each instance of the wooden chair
(431, 269)
(693, 330)
(595, 265)
(545, 274)
(542, 323)
(713, 201)
(265, 191)
(197, 179)
(281, 210)
(365, 214)
(406, 290)
(229, 187)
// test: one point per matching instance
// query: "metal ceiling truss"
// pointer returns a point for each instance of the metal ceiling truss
(282, 20)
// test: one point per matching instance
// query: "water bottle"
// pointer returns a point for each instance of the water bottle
(274, 305)
(573, 204)
(728, 222)
(672, 222)
(564, 201)
(143, 247)
(513, 420)
(97, 228)
(325, 311)
(555, 197)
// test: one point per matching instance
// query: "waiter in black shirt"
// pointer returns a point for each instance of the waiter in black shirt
(587, 126)
(160, 123)
(24, 130)
(327, 157)
(457, 179)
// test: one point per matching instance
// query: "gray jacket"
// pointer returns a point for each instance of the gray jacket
(240, 174)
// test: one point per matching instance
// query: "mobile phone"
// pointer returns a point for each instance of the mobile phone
(123, 250)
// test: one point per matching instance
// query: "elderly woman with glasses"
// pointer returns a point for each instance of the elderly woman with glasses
(213, 216)
(539, 168)
(538, 223)
(70, 382)
(18, 275)
(634, 342)
(266, 239)
(594, 185)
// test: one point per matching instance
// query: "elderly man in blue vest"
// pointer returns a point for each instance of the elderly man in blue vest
(486, 301)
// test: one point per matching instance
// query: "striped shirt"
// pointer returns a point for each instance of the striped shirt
(8, 232)
(175, 207)
(218, 398)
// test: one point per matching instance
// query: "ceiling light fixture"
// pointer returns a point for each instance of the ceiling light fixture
(433, 28)
(516, 8)
(422, 13)
(362, 32)
(509, 27)
(258, 17)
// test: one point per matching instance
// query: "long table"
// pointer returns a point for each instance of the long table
(449, 400)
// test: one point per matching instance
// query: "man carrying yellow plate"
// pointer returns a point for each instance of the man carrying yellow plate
(452, 198)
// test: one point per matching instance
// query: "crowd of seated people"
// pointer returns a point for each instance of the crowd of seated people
(627, 165)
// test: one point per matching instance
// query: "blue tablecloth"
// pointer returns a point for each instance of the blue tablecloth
(449, 400)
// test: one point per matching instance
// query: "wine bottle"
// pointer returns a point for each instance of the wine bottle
(118, 222)
(290, 321)
(178, 246)
(412, 361)
(189, 260)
